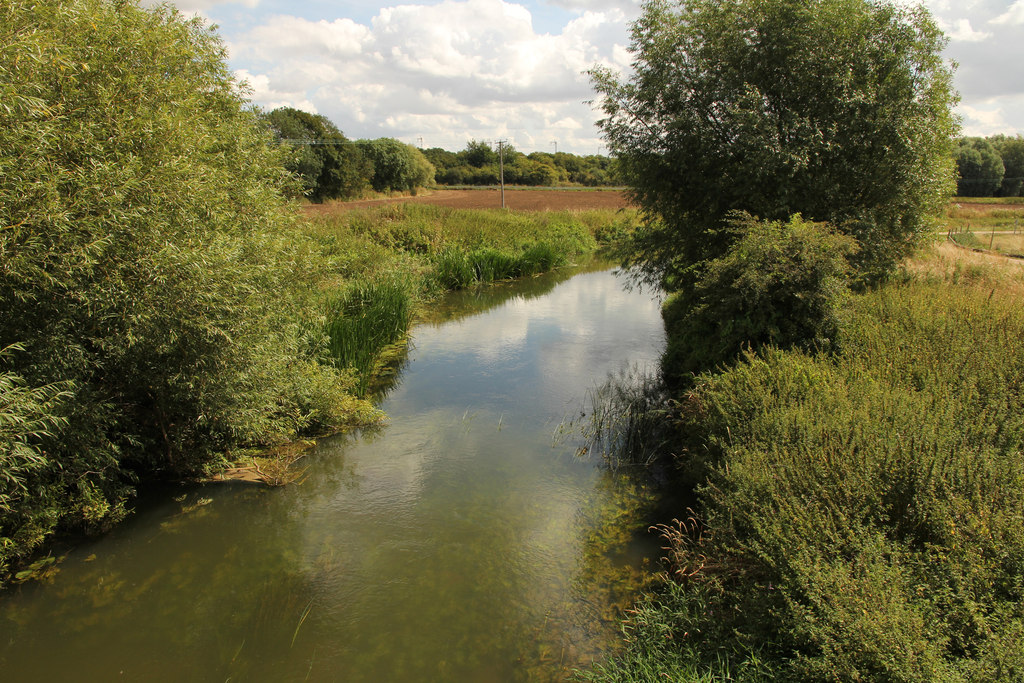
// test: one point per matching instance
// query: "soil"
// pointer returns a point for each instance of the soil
(490, 198)
(976, 207)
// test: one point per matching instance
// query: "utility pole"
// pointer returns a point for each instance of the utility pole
(501, 171)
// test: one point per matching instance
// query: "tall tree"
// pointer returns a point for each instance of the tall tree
(839, 110)
(142, 223)
(1012, 152)
(397, 166)
(980, 168)
(329, 164)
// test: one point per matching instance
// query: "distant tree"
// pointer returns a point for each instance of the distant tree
(329, 164)
(397, 167)
(839, 110)
(442, 160)
(980, 168)
(479, 154)
(1011, 150)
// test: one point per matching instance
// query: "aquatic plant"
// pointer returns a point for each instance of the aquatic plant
(363, 321)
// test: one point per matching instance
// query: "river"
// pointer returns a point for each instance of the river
(464, 541)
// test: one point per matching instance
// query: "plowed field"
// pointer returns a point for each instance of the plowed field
(525, 200)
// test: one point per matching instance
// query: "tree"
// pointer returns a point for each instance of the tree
(1012, 152)
(397, 166)
(142, 226)
(331, 166)
(479, 154)
(980, 169)
(839, 110)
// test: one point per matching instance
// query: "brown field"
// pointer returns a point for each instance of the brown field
(975, 205)
(520, 199)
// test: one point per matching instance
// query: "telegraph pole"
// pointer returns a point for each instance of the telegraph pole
(501, 171)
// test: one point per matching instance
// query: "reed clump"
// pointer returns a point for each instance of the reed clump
(363, 321)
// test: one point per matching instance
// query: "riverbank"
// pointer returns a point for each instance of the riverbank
(859, 513)
(343, 287)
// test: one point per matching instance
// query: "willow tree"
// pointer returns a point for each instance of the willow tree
(838, 110)
(148, 286)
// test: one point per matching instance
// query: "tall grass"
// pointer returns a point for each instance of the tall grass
(861, 515)
(363, 321)
(455, 269)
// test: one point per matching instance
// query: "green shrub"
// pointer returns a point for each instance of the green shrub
(151, 269)
(860, 513)
(779, 283)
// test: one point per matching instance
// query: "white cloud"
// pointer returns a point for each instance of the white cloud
(201, 6)
(461, 69)
(1014, 16)
(449, 72)
(962, 30)
(1004, 114)
(284, 36)
(582, 5)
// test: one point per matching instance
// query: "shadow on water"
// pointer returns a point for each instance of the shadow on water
(461, 542)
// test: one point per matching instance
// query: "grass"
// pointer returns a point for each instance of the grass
(386, 262)
(860, 514)
(363, 320)
(968, 214)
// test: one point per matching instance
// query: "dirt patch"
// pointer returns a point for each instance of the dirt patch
(978, 207)
(518, 199)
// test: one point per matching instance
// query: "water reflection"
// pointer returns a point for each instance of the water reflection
(459, 543)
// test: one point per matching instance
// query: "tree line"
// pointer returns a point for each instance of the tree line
(331, 166)
(990, 167)
(480, 163)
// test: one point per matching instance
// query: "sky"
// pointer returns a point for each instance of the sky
(440, 73)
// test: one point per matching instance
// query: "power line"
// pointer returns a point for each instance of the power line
(304, 141)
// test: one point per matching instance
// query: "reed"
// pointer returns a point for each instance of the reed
(363, 321)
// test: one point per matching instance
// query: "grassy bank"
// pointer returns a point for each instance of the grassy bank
(860, 514)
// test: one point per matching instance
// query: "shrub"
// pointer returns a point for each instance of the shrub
(779, 283)
(150, 269)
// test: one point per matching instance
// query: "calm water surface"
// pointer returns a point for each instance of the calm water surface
(464, 541)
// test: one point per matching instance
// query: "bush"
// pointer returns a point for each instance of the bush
(779, 283)
(144, 232)
(860, 514)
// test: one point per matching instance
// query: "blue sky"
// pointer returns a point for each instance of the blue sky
(442, 72)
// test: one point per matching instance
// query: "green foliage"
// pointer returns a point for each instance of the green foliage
(779, 283)
(455, 269)
(860, 513)
(363, 321)
(980, 168)
(478, 164)
(331, 167)
(142, 226)
(839, 110)
(421, 229)
(1011, 152)
(397, 167)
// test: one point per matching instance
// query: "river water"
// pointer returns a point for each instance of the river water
(463, 541)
